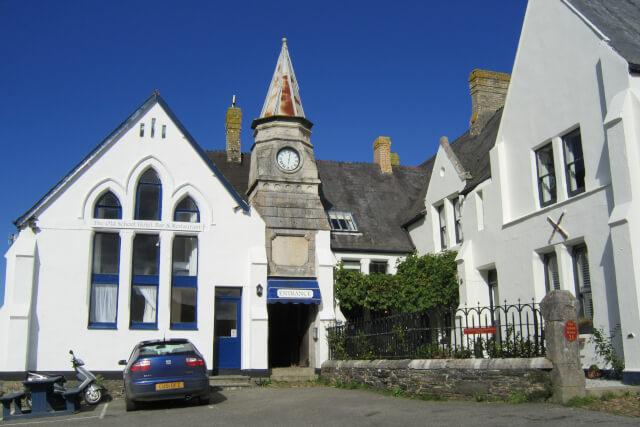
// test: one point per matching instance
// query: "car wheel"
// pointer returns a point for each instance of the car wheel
(130, 404)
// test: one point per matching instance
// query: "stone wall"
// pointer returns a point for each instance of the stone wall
(448, 378)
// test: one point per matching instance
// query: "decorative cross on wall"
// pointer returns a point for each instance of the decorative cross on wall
(557, 228)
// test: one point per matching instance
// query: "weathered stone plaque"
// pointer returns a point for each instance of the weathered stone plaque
(291, 251)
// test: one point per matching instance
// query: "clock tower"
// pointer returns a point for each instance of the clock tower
(283, 178)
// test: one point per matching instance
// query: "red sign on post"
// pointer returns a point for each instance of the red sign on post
(481, 330)
(571, 331)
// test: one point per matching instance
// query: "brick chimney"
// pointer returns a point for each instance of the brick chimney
(382, 154)
(488, 93)
(233, 125)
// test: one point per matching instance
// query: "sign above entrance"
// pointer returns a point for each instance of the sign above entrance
(293, 291)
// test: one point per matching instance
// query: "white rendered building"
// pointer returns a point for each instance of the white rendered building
(151, 236)
(550, 201)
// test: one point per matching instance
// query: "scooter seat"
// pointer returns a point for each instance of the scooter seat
(57, 377)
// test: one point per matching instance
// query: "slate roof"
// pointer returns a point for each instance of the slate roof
(619, 20)
(236, 173)
(473, 153)
(378, 202)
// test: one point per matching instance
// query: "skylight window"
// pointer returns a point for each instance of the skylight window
(342, 221)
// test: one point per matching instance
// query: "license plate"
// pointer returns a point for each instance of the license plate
(169, 386)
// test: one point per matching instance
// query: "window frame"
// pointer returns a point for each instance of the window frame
(546, 259)
(98, 205)
(567, 165)
(145, 280)
(575, 250)
(177, 210)
(552, 173)
(379, 262)
(442, 226)
(347, 217)
(457, 219)
(139, 186)
(353, 262)
(104, 279)
(185, 282)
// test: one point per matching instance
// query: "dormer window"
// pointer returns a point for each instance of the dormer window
(342, 221)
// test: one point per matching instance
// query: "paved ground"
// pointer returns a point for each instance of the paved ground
(322, 406)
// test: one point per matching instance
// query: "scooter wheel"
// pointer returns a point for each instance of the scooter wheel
(93, 395)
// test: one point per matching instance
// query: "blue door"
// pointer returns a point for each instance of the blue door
(228, 328)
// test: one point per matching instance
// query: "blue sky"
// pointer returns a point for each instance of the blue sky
(71, 71)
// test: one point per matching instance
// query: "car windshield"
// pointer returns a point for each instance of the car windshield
(162, 349)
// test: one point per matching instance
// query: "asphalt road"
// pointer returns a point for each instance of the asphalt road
(323, 406)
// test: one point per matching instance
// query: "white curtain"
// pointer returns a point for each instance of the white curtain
(149, 293)
(105, 299)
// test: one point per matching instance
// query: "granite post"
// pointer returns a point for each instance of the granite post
(559, 310)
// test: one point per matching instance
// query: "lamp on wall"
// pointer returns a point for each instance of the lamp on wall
(259, 290)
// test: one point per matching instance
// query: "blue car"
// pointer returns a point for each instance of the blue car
(165, 369)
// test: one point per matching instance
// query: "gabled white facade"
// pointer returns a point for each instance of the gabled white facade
(448, 179)
(49, 267)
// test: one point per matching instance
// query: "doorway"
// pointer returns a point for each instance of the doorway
(291, 335)
(227, 329)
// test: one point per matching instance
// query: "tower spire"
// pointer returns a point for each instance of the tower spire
(283, 97)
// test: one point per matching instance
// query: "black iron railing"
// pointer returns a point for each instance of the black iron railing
(509, 330)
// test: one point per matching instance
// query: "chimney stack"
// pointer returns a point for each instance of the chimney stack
(488, 94)
(382, 154)
(233, 125)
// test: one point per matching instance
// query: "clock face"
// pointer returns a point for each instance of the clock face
(288, 159)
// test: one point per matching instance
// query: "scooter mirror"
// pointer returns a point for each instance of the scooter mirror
(122, 362)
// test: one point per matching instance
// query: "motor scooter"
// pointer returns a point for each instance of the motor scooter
(91, 391)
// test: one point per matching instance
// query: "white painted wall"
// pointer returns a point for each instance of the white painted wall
(564, 76)
(231, 253)
(445, 184)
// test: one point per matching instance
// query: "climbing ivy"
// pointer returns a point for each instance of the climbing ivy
(421, 283)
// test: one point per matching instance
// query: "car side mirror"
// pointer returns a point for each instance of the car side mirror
(122, 362)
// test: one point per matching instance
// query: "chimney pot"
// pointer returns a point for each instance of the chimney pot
(382, 154)
(233, 125)
(395, 159)
(488, 94)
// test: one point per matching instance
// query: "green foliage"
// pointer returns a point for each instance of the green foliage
(99, 381)
(337, 344)
(421, 283)
(605, 349)
(580, 401)
(435, 351)
(511, 345)
(518, 397)
(264, 382)
(398, 392)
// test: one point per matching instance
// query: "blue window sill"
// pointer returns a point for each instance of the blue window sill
(184, 326)
(185, 281)
(147, 326)
(102, 326)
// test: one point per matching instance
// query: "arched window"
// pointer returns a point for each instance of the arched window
(149, 197)
(108, 207)
(187, 211)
